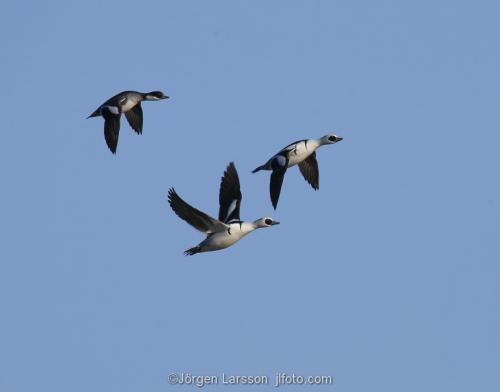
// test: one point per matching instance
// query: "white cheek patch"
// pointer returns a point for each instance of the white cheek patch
(113, 109)
(280, 160)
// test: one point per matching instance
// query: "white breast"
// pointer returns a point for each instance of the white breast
(129, 104)
(223, 239)
(301, 152)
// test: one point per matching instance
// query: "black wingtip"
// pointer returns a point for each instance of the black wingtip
(274, 201)
(171, 194)
(231, 172)
(230, 168)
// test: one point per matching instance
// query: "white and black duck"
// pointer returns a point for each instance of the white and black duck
(303, 153)
(226, 230)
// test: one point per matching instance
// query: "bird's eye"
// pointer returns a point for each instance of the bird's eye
(332, 138)
(268, 222)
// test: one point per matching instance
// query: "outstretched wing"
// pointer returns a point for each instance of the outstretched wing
(309, 169)
(279, 165)
(229, 195)
(134, 118)
(199, 220)
(111, 128)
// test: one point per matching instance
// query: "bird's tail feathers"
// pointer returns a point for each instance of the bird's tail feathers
(259, 168)
(192, 251)
(95, 113)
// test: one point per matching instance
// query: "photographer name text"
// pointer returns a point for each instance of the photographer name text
(278, 380)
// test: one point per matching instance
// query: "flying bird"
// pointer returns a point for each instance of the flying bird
(303, 153)
(128, 102)
(226, 230)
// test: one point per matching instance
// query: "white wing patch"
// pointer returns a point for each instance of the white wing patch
(231, 208)
(113, 109)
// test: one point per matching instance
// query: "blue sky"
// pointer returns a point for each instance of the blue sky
(386, 278)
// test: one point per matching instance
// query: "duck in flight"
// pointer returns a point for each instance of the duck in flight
(226, 230)
(128, 102)
(303, 153)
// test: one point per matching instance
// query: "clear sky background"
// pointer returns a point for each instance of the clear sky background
(387, 278)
